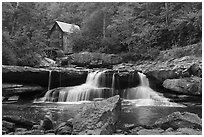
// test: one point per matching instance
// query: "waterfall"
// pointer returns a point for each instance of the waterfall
(96, 86)
(143, 80)
(113, 85)
(143, 91)
(102, 84)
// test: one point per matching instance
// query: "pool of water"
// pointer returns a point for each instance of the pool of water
(141, 113)
(144, 112)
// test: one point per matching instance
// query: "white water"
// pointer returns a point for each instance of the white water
(113, 85)
(143, 91)
(95, 87)
(92, 88)
(143, 80)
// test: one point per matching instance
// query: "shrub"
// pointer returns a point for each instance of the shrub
(154, 53)
(29, 60)
(128, 57)
(8, 56)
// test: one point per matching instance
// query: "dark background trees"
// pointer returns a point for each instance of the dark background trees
(136, 31)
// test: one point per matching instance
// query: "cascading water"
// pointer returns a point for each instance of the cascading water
(143, 91)
(113, 85)
(94, 87)
(143, 80)
(99, 84)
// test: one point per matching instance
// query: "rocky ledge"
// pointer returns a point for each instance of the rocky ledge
(40, 76)
(91, 60)
(188, 85)
(185, 73)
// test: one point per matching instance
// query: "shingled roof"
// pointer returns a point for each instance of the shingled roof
(67, 28)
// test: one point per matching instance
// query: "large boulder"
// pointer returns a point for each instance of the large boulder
(91, 60)
(189, 85)
(161, 74)
(178, 120)
(98, 117)
(65, 128)
(180, 131)
(19, 121)
(176, 123)
(40, 76)
(46, 123)
(8, 125)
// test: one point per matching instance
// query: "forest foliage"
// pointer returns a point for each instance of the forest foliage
(133, 30)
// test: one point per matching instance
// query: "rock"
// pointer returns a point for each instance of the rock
(4, 130)
(20, 130)
(179, 120)
(180, 131)
(98, 118)
(91, 60)
(36, 132)
(65, 128)
(30, 132)
(192, 85)
(19, 122)
(49, 131)
(22, 91)
(40, 76)
(150, 132)
(160, 75)
(36, 127)
(8, 125)
(47, 124)
(172, 68)
(9, 85)
(183, 131)
(195, 70)
(11, 133)
(46, 62)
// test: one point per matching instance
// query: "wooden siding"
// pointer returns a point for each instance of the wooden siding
(59, 39)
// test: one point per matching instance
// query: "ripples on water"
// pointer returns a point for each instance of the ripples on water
(140, 111)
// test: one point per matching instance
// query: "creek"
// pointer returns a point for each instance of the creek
(141, 105)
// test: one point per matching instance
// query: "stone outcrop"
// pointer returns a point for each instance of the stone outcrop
(65, 128)
(91, 60)
(172, 68)
(40, 76)
(20, 90)
(188, 85)
(19, 122)
(177, 123)
(98, 118)
(180, 131)
(171, 73)
(178, 120)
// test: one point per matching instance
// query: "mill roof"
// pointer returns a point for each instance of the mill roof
(67, 28)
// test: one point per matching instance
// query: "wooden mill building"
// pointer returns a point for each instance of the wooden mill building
(60, 35)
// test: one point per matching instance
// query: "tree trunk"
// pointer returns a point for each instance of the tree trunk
(104, 24)
(14, 20)
(147, 8)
